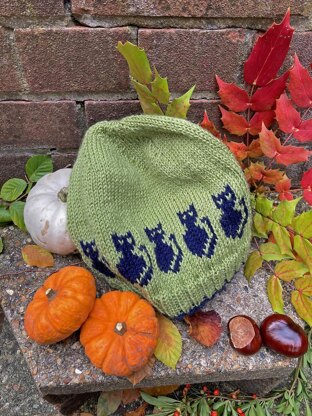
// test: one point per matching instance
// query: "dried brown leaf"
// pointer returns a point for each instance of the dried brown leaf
(37, 256)
(146, 371)
(205, 327)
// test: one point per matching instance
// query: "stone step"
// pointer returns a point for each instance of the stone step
(63, 368)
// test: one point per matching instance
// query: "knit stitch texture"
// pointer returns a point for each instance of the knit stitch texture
(159, 206)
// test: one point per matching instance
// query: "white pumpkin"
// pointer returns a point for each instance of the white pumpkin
(45, 213)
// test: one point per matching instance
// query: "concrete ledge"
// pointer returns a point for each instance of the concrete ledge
(64, 369)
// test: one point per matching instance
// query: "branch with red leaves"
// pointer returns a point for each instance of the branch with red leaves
(261, 115)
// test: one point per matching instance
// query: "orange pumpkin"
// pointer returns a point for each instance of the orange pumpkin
(61, 305)
(120, 334)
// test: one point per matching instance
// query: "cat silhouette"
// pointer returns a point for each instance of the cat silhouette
(167, 250)
(234, 215)
(99, 264)
(200, 237)
(135, 262)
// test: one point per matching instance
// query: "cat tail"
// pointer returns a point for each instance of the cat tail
(148, 272)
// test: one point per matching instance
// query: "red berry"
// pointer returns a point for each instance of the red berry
(205, 388)
(188, 386)
(176, 413)
(214, 413)
(254, 396)
(216, 392)
(239, 411)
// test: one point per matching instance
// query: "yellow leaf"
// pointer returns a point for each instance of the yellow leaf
(37, 256)
(282, 239)
(303, 247)
(253, 263)
(304, 285)
(288, 270)
(274, 289)
(169, 346)
(303, 306)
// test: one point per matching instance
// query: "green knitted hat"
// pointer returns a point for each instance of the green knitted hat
(159, 206)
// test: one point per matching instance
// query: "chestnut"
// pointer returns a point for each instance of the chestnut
(244, 335)
(281, 334)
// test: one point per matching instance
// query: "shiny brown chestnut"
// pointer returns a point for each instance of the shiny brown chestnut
(281, 334)
(244, 335)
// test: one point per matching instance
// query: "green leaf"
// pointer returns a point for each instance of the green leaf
(17, 214)
(259, 410)
(259, 224)
(4, 215)
(285, 212)
(169, 345)
(303, 224)
(282, 239)
(270, 251)
(179, 106)
(147, 101)
(303, 306)
(252, 412)
(160, 89)
(203, 407)
(264, 206)
(275, 294)
(308, 408)
(38, 166)
(253, 263)
(108, 402)
(12, 189)
(1, 245)
(304, 284)
(288, 270)
(137, 61)
(303, 247)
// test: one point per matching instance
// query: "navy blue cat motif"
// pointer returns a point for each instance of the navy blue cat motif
(167, 250)
(234, 216)
(135, 262)
(99, 264)
(200, 237)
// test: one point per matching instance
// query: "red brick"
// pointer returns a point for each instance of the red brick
(31, 8)
(12, 165)
(111, 110)
(9, 79)
(189, 57)
(73, 59)
(39, 124)
(187, 8)
(302, 45)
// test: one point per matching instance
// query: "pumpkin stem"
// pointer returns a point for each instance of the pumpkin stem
(120, 328)
(50, 293)
(62, 194)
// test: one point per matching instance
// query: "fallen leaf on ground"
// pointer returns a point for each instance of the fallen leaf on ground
(108, 402)
(37, 256)
(205, 327)
(140, 411)
(160, 390)
(147, 370)
(130, 395)
(169, 345)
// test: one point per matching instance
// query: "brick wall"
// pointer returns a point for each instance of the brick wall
(60, 71)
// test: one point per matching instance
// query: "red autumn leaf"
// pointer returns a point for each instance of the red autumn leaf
(269, 53)
(239, 150)
(254, 149)
(235, 98)
(306, 183)
(283, 187)
(285, 155)
(264, 98)
(300, 85)
(304, 131)
(234, 123)
(209, 125)
(287, 116)
(205, 327)
(258, 118)
(258, 172)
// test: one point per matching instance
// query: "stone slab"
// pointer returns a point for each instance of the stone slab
(64, 369)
